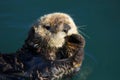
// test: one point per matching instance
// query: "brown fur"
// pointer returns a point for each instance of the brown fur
(52, 50)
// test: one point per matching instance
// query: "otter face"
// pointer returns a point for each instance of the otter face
(54, 28)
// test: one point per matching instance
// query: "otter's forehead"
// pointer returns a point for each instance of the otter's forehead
(56, 18)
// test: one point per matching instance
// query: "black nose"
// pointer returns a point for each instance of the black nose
(66, 28)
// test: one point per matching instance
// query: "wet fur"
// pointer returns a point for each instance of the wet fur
(69, 59)
(40, 57)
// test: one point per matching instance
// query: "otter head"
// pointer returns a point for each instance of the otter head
(54, 28)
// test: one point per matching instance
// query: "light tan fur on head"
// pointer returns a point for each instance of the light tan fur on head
(51, 27)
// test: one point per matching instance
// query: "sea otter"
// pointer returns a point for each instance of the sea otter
(53, 49)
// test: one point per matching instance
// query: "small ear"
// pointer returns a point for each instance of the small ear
(77, 39)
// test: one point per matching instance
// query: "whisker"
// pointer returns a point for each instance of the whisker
(84, 34)
(82, 27)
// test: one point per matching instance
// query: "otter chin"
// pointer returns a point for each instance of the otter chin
(51, 29)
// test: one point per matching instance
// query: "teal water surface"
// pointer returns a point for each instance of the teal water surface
(102, 20)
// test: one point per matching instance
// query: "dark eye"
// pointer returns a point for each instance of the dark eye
(47, 27)
(65, 31)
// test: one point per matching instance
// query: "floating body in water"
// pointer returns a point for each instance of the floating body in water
(53, 50)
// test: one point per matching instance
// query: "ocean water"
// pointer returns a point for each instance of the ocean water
(101, 21)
